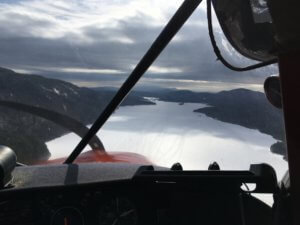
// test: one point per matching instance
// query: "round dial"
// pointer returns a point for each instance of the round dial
(67, 216)
(118, 211)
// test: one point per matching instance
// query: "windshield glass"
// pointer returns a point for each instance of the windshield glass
(70, 57)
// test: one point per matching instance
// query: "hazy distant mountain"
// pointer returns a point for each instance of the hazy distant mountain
(27, 134)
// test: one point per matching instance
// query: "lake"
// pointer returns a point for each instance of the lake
(170, 132)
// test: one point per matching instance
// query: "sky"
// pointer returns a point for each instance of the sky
(98, 43)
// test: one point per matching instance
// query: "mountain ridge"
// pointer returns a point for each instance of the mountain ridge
(27, 134)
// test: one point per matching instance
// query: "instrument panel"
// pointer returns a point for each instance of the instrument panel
(96, 207)
(120, 205)
(87, 197)
(79, 206)
(100, 207)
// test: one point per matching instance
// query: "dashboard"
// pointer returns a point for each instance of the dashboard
(107, 194)
(101, 204)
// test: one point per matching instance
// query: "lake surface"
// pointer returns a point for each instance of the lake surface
(168, 132)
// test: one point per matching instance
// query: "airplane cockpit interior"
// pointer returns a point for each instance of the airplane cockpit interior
(101, 182)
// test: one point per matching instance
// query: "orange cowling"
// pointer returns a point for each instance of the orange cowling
(100, 156)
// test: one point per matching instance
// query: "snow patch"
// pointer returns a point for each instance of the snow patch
(56, 91)
(75, 92)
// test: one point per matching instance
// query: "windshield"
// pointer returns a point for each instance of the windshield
(70, 58)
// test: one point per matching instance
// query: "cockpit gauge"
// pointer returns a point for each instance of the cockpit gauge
(118, 211)
(67, 216)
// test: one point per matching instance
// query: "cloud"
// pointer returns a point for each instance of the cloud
(89, 41)
(162, 70)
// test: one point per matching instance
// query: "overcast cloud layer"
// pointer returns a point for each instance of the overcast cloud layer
(98, 42)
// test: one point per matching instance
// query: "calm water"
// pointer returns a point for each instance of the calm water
(168, 132)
